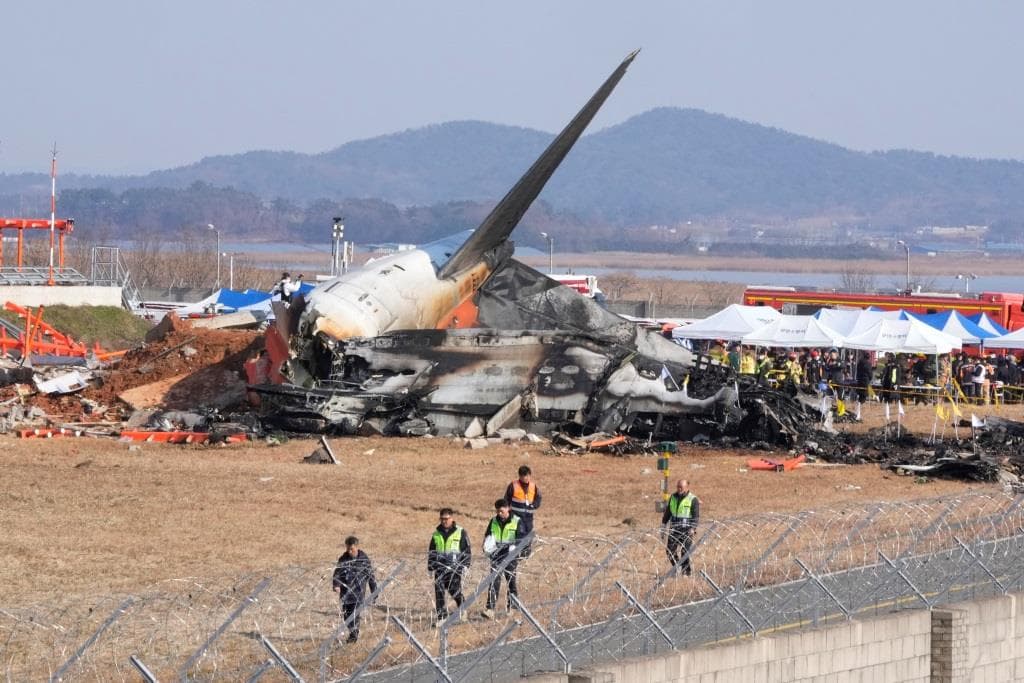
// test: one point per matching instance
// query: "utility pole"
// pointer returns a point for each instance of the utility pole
(338, 247)
(907, 247)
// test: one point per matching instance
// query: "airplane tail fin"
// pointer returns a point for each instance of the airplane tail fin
(499, 224)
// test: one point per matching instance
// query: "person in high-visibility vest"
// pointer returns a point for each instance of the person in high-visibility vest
(448, 557)
(503, 533)
(680, 520)
(523, 498)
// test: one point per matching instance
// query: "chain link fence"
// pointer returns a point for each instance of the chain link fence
(584, 600)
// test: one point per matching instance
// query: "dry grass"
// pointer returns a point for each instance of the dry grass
(87, 518)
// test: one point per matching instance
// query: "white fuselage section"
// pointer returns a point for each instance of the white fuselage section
(397, 292)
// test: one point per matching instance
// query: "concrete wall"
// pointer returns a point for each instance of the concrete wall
(978, 641)
(71, 295)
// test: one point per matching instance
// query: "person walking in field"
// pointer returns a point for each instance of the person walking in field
(448, 557)
(352, 575)
(680, 520)
(503, 532)
(524, 499)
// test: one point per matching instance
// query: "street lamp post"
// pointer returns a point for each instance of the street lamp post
(551, 251)
(907, 247)
(216, 232)
(231, 269)
(966, 277)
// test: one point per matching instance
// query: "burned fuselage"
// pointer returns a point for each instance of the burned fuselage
(477, 381)
(457, 337)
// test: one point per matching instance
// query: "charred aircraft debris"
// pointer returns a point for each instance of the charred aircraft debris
(456, 337)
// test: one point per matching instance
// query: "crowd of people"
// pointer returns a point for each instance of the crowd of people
(860, 375)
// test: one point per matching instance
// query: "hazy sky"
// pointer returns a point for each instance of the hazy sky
(136, 86)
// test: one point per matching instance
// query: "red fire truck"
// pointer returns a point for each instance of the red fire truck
(1005, 309)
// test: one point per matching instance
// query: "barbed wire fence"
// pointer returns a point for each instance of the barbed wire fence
(584, 600)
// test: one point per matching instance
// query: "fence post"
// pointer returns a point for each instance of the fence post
(644, 611)
(486, 651)
(422, 650)
(281, 661)
(183, 672)
(566, 664)
(381, 646)
(370, 599)
(906, 579)
(141, 668)
(59, 674)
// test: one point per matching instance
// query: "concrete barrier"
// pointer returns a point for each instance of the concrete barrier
(69, 295)
(971, 641)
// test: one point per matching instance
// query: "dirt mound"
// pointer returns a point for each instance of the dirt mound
(206, 366)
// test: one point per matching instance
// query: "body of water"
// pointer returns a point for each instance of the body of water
(984, 283)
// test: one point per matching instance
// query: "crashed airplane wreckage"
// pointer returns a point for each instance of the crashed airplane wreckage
(457, 337)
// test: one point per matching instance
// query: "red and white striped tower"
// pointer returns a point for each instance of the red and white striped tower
(53, 206)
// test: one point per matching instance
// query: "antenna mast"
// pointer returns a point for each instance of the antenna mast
(53, 206)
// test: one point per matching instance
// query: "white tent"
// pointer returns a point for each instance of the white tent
(794, 331)
(848, 321)
(1013, 340)
(903, 336)
(731, 323)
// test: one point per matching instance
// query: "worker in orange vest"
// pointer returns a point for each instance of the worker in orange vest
(523, 497)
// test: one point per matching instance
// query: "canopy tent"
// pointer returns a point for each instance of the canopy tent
(848, 321)
(731, 323)
(794, 331)
(986, 323)
(1011, 340)
(956, 324)
(898, 314)
(903, 336)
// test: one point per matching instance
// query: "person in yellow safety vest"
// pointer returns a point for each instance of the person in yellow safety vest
(680, 520)
(764, 365)
(747, 364)
(524, 498)
(793, 370)
(503, 533)
(448, 557)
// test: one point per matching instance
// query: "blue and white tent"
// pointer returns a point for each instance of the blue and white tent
(986, 323)
(956, 324)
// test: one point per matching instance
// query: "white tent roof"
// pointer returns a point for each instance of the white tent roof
(903, 336)
(731, 323)
(847, 321)
(1012, 340)
(794, 331)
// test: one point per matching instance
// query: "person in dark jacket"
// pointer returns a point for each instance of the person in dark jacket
(524, 498)
(680, 519)
(864, 373)
(448, 556)
(351, 577)
(506, 532)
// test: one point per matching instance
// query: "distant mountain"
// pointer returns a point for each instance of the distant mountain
(661, 167)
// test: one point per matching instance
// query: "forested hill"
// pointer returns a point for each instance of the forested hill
(662, 167)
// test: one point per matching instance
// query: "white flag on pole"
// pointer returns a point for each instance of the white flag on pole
(899, 407)
(886, 411)
(977, 421)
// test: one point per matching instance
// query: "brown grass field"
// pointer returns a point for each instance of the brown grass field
(86, 517)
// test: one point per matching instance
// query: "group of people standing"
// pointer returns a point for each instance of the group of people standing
(850, 375)
(449, 554)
